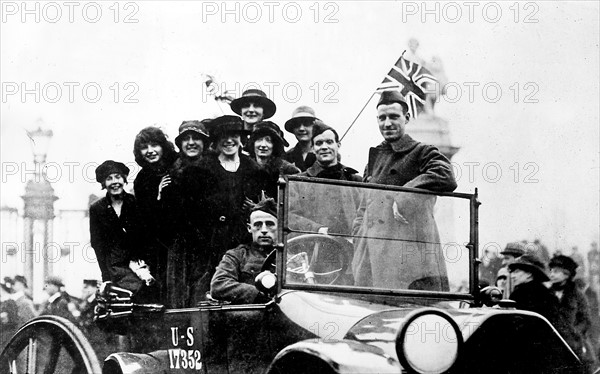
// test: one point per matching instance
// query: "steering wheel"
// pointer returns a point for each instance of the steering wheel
(313, 258)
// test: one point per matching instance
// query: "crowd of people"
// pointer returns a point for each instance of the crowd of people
(17, 306)
(551, 287)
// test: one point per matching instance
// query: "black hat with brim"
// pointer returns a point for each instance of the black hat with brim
(225, 125)
(55, 280)
(564, 262)
(530, 264)
(264, 128)
(109, 167)
(195, 127)
(255, 96)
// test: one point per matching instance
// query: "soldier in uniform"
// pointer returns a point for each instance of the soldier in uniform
(234, 279)
(411, 258)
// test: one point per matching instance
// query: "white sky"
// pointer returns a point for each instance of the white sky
(166, 52)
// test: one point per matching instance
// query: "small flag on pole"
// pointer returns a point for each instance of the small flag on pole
(412, 80)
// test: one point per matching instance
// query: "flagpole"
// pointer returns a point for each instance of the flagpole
(359, 113)
(219, 105)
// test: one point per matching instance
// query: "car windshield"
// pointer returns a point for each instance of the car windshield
(375, 237)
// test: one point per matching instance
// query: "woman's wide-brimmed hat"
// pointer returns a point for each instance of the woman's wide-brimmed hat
(197, 127)
(530, 264)
(225, 125)
(564, 262)
(259, 98)
(269, 128)
(300, 114)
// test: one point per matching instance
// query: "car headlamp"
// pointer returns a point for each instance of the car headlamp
(429, 342)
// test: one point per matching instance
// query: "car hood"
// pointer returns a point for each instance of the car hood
(364, 319)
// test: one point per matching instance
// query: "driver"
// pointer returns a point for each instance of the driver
(325, 209)
(234, 278)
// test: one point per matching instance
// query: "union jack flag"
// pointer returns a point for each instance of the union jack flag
(412, 80)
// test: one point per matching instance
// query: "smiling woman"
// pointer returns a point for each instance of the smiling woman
(155, 154)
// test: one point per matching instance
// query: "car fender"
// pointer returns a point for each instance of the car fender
(334, 356)
(147, 363)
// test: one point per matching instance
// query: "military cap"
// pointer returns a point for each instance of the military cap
(320, 128)
(392, 96)
(266, 205)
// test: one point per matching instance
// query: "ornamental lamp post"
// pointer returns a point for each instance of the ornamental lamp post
(38, 211)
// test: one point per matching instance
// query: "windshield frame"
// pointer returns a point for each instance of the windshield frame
(284, 230)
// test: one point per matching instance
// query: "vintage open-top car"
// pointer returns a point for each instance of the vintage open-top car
(392, 287)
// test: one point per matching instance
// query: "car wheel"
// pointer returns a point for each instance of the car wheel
(49, 344)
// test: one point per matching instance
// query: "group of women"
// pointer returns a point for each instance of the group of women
(193, 203)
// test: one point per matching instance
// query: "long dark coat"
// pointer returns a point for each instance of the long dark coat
(59, 307)
(215, 207)
(183, 215)
(273, 169)
(294, 156)
(116, 240)
(535, 297)
(9, 322)
(158, 235)
(574, 317)
(325, 205)
(409, 256)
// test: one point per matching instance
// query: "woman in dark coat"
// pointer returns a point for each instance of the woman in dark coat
(266, 148)
(574, 321)
(193, 143)
(155, 154)
(527, 274)
(218, 192)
